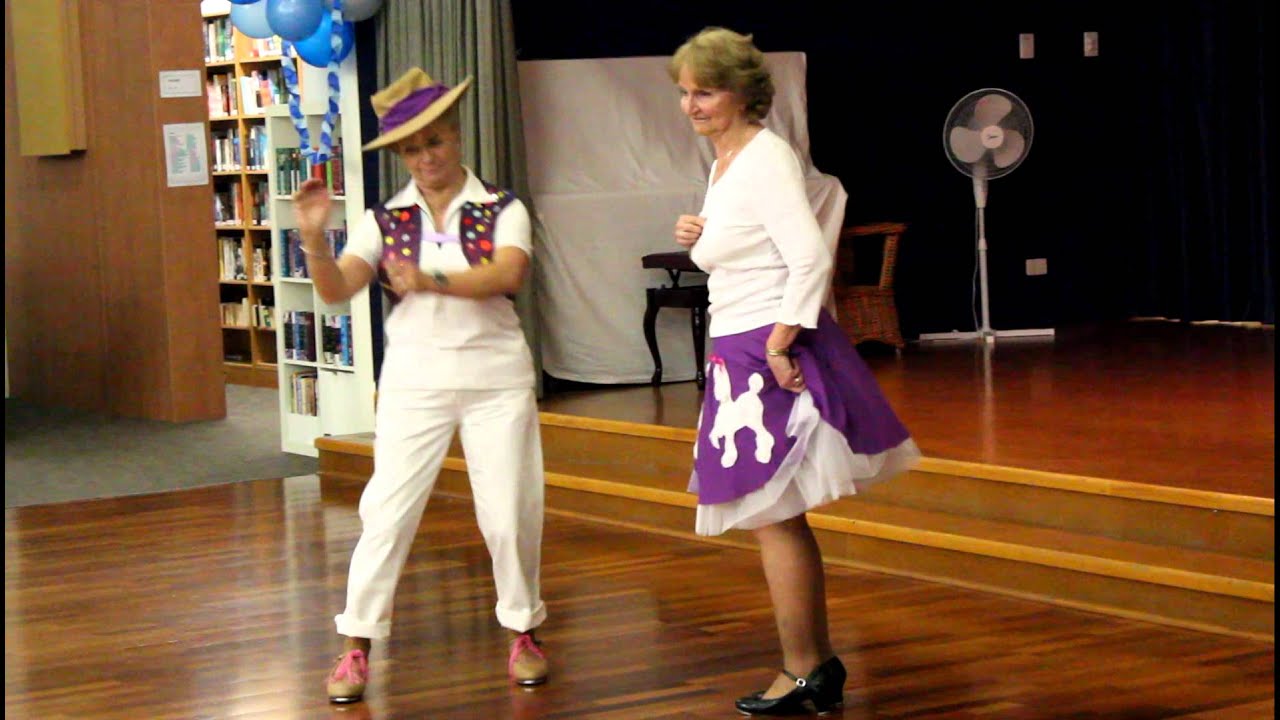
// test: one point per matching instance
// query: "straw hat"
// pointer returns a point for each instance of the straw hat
(409, 104)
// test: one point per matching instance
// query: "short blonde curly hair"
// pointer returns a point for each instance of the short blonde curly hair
(725, 60)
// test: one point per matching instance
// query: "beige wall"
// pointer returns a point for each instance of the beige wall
(111, 294)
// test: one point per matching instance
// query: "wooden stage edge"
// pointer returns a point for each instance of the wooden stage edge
(998, 473)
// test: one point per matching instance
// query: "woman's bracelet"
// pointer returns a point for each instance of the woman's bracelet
(778, 352)
(316, 253)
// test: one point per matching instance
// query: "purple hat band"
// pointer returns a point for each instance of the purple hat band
(411, 106)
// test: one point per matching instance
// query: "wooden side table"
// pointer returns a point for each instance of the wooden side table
(693, 297)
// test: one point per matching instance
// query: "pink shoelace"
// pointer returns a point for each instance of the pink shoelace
(523, 642)
(354, 668)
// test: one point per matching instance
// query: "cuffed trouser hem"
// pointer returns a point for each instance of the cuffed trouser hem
(522, 620)
(350, 627)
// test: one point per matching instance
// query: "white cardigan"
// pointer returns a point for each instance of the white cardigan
(761, 245)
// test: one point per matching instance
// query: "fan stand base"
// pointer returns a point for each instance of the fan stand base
(989, 336)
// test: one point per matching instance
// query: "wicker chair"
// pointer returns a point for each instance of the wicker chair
(868, 312)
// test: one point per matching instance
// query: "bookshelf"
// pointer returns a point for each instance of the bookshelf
(325, 356)
(242, 81)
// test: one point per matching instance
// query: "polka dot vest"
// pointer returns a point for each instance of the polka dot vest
(402, 231)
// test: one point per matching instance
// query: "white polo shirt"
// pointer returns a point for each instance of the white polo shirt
(440, 342)
(761, 245)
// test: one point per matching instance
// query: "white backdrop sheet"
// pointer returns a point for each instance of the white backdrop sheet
(612, 163)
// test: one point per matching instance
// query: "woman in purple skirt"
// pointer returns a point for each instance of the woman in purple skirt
(792, 417)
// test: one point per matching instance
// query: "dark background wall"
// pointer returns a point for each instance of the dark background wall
(1145, 187)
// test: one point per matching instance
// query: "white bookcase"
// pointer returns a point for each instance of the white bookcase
(343, 393)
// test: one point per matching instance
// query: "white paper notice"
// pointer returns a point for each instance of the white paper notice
(181, 83)
(185, 154)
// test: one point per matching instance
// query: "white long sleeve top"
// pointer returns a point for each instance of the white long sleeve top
(761, 245)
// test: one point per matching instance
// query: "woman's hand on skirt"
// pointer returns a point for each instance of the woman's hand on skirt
(786, 372)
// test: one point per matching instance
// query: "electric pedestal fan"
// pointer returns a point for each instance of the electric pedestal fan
(987, 134)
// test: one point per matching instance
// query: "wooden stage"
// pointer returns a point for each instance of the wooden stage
(1127, 470)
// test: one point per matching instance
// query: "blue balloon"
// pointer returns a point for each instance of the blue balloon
(251, 19)
(316, 50)
(295, 20)
(243, 2)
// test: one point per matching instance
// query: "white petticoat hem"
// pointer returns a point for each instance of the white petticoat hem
(820, 468)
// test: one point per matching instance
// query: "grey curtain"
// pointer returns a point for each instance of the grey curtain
(450, 40)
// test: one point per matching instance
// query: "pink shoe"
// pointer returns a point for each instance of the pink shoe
(349, 676)
(528, 663)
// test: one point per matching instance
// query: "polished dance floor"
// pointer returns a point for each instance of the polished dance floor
(218, 602)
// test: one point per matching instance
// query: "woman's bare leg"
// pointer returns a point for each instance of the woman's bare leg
(797, 586)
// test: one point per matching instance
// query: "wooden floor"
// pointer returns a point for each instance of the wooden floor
(217, 603)
(1157, 403)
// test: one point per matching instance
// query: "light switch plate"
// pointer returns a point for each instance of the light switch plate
(1091, 44)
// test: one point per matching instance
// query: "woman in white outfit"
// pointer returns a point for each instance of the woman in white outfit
(792, 418)
(450, 250)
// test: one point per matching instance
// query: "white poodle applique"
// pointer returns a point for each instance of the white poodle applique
(733, 414)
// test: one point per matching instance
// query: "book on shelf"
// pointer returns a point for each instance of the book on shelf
(264, 315)
(218, 46)
(228, 204)
(222, 98)
(292, 168)
(261, 261)
(260, 89)
(256, 148)
(261, 213)
(300, 335)
(226, 149)
(231, 264)
(236, 313)
(265, 47)
(336, 340)
(303, 386)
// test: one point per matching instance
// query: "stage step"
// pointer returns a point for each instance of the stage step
(660, 457)
(1182, 557)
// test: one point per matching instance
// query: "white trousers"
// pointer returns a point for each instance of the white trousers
(503, 448)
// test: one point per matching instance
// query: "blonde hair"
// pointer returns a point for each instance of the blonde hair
(722, 59)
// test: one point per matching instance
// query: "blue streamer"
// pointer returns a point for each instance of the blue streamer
(321, 153)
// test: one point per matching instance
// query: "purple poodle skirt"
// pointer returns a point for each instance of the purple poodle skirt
(844, 392)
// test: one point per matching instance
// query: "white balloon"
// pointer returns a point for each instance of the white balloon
(357, 10)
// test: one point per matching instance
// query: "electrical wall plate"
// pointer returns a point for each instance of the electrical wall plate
(1091, 44)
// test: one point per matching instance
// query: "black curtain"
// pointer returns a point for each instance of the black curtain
(1205, 211)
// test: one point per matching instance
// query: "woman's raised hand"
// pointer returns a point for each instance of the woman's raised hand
(311, 204)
